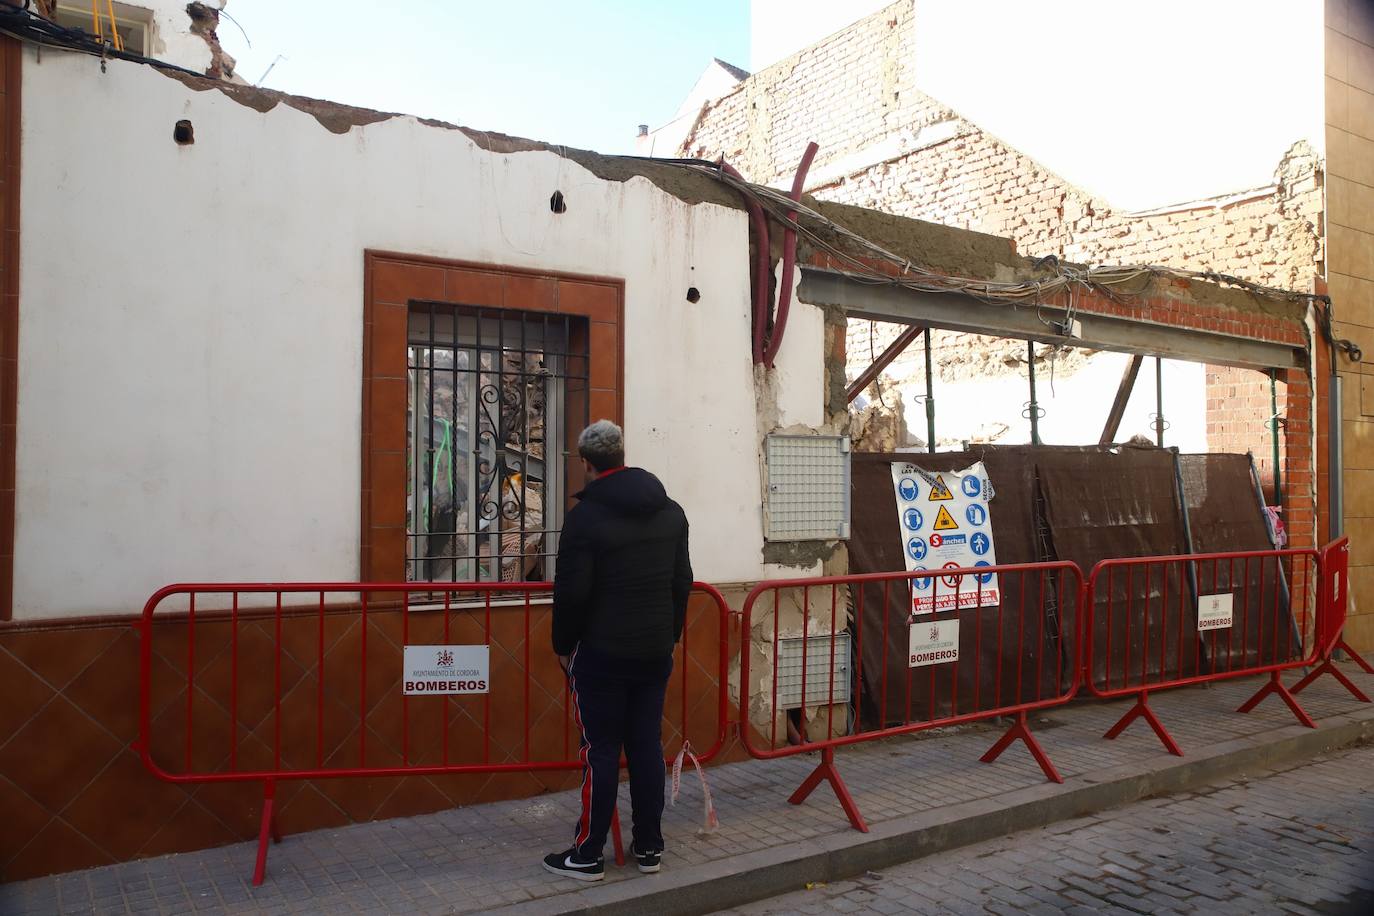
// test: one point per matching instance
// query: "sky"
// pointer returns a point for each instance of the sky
(582, 74)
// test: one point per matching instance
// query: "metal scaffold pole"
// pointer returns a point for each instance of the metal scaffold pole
(1159, 401)
(930, 398)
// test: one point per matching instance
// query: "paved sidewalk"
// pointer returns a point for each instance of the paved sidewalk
(1299, 840)
(921, 794)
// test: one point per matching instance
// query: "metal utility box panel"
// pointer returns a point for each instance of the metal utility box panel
(827, 671)
(808, 488)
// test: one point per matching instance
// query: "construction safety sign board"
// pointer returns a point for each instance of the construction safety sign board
(944, 523)
(933, 642)
(1214, 612)
(446, 670)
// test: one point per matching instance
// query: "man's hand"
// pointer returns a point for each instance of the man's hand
(564, 661)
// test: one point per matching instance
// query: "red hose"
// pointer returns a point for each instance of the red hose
(761, 297)
(789, 259)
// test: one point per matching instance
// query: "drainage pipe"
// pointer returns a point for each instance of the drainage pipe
(762, 296)
(789, 259)
(1336, 464)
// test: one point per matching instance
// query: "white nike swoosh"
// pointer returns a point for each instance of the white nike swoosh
(569, 863)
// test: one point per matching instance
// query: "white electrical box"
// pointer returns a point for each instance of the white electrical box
(825, 685)
(808, 488)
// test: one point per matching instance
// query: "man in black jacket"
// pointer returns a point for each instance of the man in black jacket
(620, 594)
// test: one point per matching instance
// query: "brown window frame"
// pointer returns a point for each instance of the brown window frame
(391, 282)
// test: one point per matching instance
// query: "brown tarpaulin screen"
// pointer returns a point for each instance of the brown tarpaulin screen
(1224, 514)
(1082, 504)
(1102, 503)
(995, 679)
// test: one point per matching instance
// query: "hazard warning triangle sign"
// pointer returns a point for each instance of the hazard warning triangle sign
(944, 521)
(939, 491)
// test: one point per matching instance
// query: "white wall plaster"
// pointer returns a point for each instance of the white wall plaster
(169, 27)
(799, 369)
(191, 330)
(173, 40)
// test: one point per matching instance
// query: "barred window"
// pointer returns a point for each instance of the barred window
(487, 439)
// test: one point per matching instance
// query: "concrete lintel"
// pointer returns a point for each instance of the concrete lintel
(962, 312)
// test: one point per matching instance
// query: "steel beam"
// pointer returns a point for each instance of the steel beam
(862, 298)
(884, 360)
(1123, 396)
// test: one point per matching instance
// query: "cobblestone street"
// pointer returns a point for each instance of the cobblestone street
(1299, 840)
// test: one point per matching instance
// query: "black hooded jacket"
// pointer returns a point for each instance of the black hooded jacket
(623, 575)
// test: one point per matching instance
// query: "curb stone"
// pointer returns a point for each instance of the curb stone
(770, 872)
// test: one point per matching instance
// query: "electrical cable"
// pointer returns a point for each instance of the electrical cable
(1119, 283)
(28, 26)
(25, 25)
(249, 41)
(1343, 345)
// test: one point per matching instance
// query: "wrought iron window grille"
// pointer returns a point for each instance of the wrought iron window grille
(492, 395)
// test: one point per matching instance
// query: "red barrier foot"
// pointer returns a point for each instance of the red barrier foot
(1276, 686)
(1020, 729)
(1327, 667)
(826, 770)
(268, 830)
(1354, 656)
(1142, 708)
(615, 838)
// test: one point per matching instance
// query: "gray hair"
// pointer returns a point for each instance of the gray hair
(602, 444)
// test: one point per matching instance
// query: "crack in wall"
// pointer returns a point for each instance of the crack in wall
(204, 22)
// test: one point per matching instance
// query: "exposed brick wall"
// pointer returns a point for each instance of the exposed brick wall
(1300, 481)
(854, 94)
(846, 93)
(886, 145)
(1239, 409)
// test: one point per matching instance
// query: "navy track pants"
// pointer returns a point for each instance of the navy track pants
(619, 705)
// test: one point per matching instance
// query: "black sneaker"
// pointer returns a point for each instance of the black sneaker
(649, 862)
(570, 865)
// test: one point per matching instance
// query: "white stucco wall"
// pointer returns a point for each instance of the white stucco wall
(173, 40)
(191, 330)
(170, 36)
(799, 376)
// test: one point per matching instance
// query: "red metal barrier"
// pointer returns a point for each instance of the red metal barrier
(271, 682)
(1331, 622)
(1160, 622)
(908, 672)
